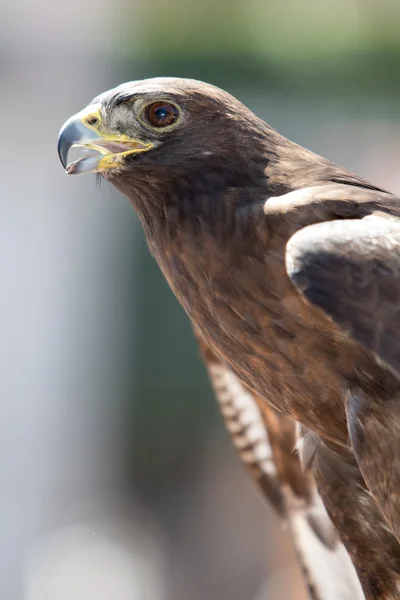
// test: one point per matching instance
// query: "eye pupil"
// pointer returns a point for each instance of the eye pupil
(161, 114)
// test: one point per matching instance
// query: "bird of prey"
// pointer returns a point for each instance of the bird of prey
(288, 265)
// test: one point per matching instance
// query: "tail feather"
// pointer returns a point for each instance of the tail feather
(266, 442)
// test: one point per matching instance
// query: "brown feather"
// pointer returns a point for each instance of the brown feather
(200, 196)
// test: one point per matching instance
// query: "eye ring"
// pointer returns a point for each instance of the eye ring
(161, 114)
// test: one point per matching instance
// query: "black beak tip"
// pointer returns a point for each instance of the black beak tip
(62, 148)
(70, 133)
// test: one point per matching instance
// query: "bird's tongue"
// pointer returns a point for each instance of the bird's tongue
(93, 154)
(113, 146)
(102, 148)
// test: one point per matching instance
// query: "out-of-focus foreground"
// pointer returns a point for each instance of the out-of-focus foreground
(118, 479)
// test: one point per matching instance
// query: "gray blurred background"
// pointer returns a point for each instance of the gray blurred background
(118, 481)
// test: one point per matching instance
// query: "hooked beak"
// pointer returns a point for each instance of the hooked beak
(85, 129)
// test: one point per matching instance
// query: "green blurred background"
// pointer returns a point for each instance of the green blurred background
(118, 479)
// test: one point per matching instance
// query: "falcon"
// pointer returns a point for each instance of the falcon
(288, 266)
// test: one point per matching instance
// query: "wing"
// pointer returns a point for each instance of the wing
(351, 270)
(266, 444)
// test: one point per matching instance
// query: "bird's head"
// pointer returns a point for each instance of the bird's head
(162, 129)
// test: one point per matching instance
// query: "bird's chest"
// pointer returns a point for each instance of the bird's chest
(249, 312)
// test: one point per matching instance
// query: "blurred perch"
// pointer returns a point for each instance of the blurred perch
(266, 444)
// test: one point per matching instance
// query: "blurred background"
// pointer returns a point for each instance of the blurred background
(118, 480)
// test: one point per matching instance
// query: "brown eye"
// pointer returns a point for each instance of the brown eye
(161, 114)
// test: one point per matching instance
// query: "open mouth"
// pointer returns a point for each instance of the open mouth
(102, 150)
(100, 155)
